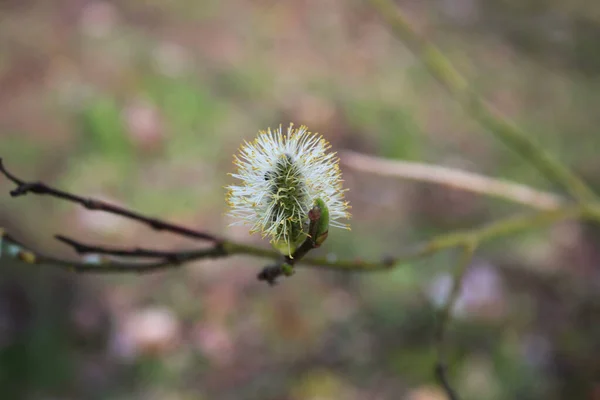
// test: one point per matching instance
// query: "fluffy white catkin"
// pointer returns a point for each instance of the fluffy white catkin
(281, 175)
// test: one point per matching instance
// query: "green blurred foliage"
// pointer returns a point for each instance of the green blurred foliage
(104, 132)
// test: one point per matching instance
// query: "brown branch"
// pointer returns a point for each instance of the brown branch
(283, 266)
(42, 189)
(138, 252)
(15, 249)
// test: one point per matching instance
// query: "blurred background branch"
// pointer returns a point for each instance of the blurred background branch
(452, 178)
(441, 367)
(512, 135)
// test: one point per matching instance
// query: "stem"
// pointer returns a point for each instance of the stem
(505, 227)
(509, 133)
(42, 189)
(223, 247)
(441, 367)
(453, 178)
(227, 248)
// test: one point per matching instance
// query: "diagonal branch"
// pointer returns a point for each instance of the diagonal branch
(509, 133)
(42, 189)
(453, 178)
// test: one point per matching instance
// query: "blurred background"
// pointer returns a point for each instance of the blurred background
(143, 103)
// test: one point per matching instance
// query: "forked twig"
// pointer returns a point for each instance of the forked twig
(553, 208)
(103, 260)
(225, 247)
(160, 259)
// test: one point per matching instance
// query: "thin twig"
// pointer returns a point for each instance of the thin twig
(441, 367)
(40, 188)
(83, 248)
(513, 136)
(505, 227)
(225, 248)
(15, 249)
(454, 178)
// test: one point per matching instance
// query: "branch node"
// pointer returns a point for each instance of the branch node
(388, 261)
(156, 225)
(24, 188)
(90, 204)
(270, 274)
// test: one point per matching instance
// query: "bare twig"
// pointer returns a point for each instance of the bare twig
(226, 247)
(82, 249)
(505, 227)
(512, 135)
(11, 247)
(40, 188)
(454, 178)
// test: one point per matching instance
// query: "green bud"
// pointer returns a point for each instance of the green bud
(287, 269)
(319, 222)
